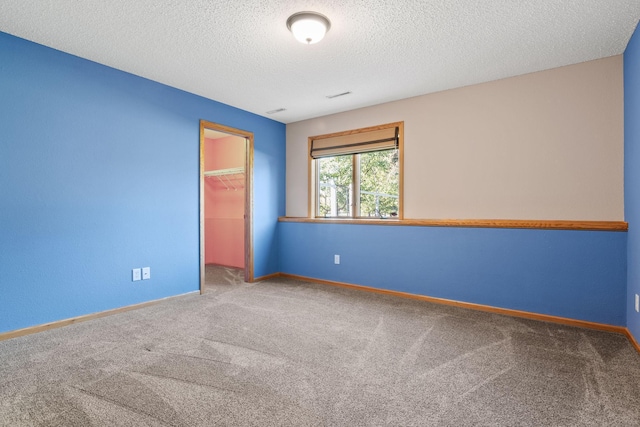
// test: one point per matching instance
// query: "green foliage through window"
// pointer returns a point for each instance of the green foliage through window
(379, 183)
(334, 192)
(372, 191)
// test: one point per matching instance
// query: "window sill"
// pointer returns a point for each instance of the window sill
(369, 221)
(473, 223)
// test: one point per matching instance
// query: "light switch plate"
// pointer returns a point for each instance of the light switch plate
(336, 259)
(146, 273)
(136, 274)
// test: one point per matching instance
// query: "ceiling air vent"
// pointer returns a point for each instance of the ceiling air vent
(277, 110)
(338, 94)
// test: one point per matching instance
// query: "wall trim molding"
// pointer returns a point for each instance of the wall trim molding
(632, 339)
(474, 223)
(267, 277)
(480, 307)
(79, 319)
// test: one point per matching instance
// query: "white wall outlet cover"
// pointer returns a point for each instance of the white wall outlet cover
(136, 274)
(336, 259)
(146, 273)
(637, 303)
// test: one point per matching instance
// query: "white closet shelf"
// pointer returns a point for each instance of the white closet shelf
(223, 172)
(230, 178)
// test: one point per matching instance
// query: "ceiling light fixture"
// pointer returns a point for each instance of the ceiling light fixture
(308, 27)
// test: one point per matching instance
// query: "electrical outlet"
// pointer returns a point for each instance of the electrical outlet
(637, 303)
(146, 273)
(136, 274)
(336, 259)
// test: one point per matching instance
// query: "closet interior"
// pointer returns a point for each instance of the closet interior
(224, 199)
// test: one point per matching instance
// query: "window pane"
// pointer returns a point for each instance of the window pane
(334, 186)
(379, 183)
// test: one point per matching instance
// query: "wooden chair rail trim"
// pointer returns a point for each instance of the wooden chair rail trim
(474, 223)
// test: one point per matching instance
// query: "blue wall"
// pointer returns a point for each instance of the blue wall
(98, 175)
(632, 176)
(574, 274)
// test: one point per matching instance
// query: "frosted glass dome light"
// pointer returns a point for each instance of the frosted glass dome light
(308, 27)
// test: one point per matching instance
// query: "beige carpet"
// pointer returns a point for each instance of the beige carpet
(285, 352)
(217, 275)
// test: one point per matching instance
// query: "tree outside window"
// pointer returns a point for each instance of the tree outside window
(359, 185)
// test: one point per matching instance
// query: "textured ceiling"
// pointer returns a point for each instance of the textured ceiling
(241, 53)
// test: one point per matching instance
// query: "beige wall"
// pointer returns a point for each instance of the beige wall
(546, 145)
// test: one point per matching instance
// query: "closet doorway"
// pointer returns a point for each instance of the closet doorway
(226, 199)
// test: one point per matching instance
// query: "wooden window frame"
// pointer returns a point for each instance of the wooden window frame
(313, 171)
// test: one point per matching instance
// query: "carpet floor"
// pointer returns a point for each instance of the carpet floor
(285, 352)
(217, 275)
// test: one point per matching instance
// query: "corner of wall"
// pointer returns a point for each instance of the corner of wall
(632, 178)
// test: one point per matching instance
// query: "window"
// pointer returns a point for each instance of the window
(357, 174)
